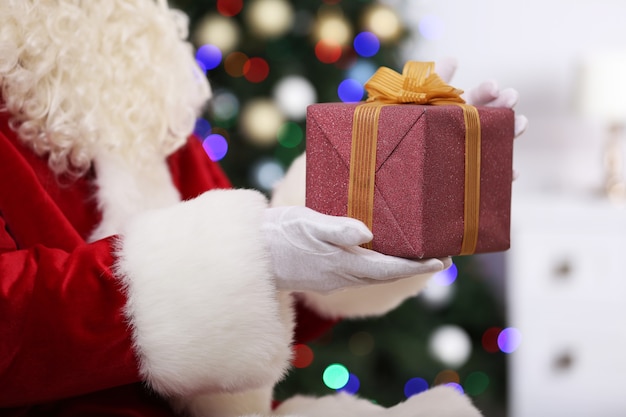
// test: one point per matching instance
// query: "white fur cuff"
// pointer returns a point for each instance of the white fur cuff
(366, 301)
(201, 300)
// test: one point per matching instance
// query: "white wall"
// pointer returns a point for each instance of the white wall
(534, 46)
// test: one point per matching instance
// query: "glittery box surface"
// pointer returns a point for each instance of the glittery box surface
(420, 175)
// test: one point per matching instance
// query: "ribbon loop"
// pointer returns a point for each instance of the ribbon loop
(418, 84)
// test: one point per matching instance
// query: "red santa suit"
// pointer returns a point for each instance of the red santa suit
(145, 277)
(66, 334)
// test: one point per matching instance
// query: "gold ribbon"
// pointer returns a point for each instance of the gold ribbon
(418, 84)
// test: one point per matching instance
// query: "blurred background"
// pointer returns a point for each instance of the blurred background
(535, 331)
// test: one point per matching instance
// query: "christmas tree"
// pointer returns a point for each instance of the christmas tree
(266, 61)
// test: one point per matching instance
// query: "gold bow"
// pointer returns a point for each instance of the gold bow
(418, 84)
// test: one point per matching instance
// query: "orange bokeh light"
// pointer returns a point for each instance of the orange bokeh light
(328, 51)
(234, 64)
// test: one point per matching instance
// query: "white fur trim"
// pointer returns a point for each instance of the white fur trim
(126, 188)
(440, 401)
(201, 300)
(239, 403)
(291, 190)
(372, 300)
(338, 405)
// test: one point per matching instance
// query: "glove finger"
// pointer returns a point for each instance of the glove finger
(485, 93)
(521, 123)
(336, 230)
(446, 68)
(507, 98)
(447, 262)
(365, 263)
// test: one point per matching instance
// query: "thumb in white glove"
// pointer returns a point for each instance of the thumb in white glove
(485, 94)
(311, 251)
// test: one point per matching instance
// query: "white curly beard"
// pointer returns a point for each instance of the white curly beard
(82, 77)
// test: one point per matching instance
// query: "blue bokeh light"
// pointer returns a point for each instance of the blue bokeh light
(202, 128)
(414, 386)
(350, 91)
(216, 146)
(456, 386)
(208, 56)
(366, 44)
(509, 340)
(447, 277)
(362, 71)
(266, 172)
(352, 386)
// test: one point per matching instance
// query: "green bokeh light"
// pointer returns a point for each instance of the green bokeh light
(290, 135)
(476, 383)
(336, 376)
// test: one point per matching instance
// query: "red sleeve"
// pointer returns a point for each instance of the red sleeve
(310, 325)
(193, 172)
(63, 332)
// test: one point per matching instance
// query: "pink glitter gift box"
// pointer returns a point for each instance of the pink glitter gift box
(419, 188)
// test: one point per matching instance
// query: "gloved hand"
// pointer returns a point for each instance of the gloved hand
(485, 94)
(311, 251)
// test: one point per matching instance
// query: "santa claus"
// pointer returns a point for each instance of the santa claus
(134, 281)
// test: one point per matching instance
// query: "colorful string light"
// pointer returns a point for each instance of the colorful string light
(229, 8)
(352, 386)
(224, 108)
(216, 146)
(451, 345)
(208, 56)
(256, 70)
(414, 386)
(327, 51)
(476, 383)
(265, 173)
(509, 340)
(446, 277)
(293, 94)
(336, 376)
(362, 70)
(303, 356)
(350, 91)
(456, 386)
(269, 18)
(290, 135)
(366, 44)
(361, 343)
(234, 63)
(489, 339)
(202, 128)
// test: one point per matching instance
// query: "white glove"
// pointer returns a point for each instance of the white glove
(486, 94)
(489, 94)
(316, 252)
